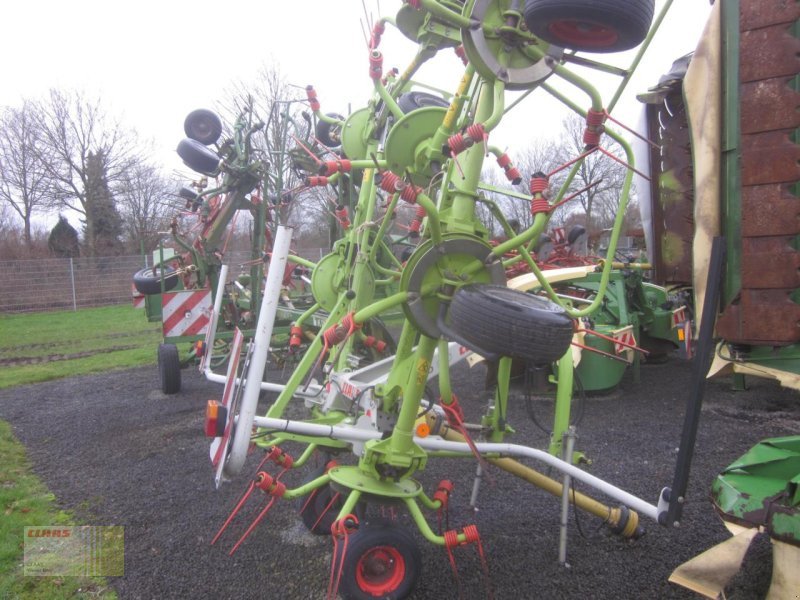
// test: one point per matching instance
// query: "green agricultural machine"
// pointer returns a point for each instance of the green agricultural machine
(381, 419)
(427, 148)
(636, 319)
(181, 287)
(726, 224)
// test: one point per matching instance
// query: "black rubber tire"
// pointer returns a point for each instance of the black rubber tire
(575, 233)
(188, 193)
(507, 322)
(330, 134)
(590, 25)
(411, 101)
(197, 157)
(169, 368)
(382, 561)
(203, 125)
(310, 513)
(148, 280)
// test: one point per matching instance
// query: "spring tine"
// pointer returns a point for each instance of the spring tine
(238, 507)
(250, 529)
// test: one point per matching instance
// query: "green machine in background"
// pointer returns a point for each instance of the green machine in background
(728, 168)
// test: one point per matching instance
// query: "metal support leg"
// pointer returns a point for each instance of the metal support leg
(569, 447)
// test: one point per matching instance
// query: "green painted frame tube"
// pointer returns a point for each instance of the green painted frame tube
(349, 504)
(402, 438)
(563, 401)
(390, 102)
(445, 14)
(307, 314)
(303, 262)
(422, 524)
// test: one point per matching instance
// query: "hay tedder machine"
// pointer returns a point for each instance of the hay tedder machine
(379, 410)
(182, 286)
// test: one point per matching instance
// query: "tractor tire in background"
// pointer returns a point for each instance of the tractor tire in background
(203, 125)
(411, 101)
(169, 368)
(590, 25)
(197, 157)
(382, 561)
(507, 322)
(148, 280)
(330, 134)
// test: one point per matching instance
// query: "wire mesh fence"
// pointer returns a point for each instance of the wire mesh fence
(72, 283)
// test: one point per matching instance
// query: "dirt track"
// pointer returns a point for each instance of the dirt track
(116, 451)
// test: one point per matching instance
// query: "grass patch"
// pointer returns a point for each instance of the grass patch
(44, 346)
(25, 501)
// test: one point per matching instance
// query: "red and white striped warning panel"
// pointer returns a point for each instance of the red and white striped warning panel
(678, 317)
(138, 298)
(624, 338)
(186, 312)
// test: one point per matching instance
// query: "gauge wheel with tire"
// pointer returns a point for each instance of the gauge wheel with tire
(411, 101)
(330, 134)
(148, 280)
(169, 368)
(506, 322)
(197, 157)
(382, 561)
(590, 25)
(203, 125)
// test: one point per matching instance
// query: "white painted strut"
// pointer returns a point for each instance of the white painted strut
(205, 363)
(350, 434)
(258, 360)
(212, 330)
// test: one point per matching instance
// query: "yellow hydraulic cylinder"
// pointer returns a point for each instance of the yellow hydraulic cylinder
(622, 521)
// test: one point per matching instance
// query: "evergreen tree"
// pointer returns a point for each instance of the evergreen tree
(103, 222)
(63, 239)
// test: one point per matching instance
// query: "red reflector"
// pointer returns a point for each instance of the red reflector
(216, 419)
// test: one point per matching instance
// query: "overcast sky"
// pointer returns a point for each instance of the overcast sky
(154, 61)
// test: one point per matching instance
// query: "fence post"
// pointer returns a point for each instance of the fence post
(72, 279)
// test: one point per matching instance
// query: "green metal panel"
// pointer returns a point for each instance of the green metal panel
(762, 488)
(731, 181)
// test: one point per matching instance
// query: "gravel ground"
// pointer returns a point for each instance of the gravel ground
(116, 451)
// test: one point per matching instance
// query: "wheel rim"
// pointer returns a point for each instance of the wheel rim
(380, 570)
(583, 33)
(201, 128)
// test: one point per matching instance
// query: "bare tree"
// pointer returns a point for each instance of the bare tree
(541, 156)
(144, 201)
(71, 129)
(601, 174)
(23, 177)
(288, 139)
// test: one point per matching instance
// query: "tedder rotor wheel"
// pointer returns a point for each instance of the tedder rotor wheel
(330, 134)
(318, 510)
(203, 125)
(197, 157)
(148, 280)
(169, 368)
(590, 25)
(382, 561)
(508, 322)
